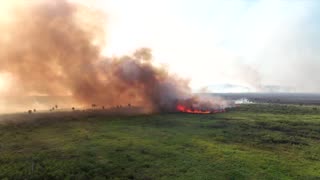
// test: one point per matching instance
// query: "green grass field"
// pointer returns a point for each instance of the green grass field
(249, 142)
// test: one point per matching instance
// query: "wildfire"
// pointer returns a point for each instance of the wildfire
(182, 108)
(199, 105)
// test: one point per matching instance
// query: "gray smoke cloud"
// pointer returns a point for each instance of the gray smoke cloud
(53, 48)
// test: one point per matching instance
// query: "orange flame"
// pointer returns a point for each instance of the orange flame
(185, 109)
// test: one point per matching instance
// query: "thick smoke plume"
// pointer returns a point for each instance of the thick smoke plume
(53, 48)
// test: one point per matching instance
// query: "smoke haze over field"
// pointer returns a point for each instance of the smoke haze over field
(53, 48)
(56, 48)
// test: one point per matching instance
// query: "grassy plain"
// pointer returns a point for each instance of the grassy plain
(249, 142)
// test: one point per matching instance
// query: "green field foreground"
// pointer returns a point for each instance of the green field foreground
(248, 142)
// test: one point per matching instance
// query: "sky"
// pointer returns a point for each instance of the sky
(225, 46)
(221, 46)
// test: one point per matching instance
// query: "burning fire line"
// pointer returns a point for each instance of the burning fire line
(184, 109)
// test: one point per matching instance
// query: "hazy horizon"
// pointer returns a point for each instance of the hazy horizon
(256, 44)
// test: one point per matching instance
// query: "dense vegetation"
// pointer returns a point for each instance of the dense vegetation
(248, 142)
